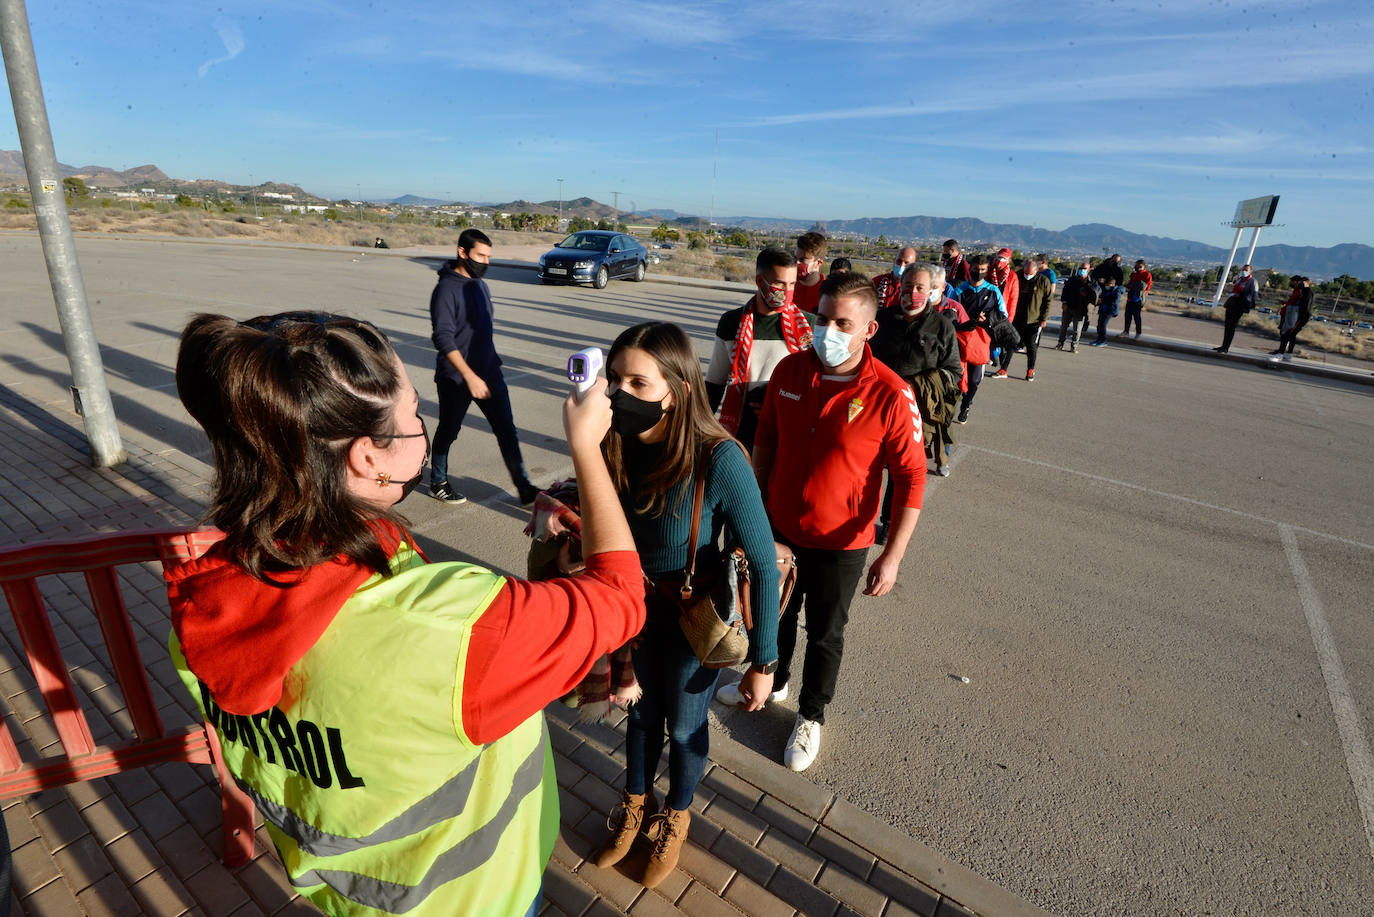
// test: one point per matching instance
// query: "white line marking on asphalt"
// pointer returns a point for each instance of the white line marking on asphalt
(1359, 761)
(1168, 496)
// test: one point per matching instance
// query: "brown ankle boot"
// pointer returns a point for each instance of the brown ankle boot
(672, 832)
(625, 820)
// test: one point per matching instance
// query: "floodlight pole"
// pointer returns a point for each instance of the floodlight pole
(1225, 272)
(91, 396)
(1254, 240)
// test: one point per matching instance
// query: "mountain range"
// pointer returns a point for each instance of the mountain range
(974, 234)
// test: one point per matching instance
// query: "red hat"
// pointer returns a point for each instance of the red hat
(1004, 253)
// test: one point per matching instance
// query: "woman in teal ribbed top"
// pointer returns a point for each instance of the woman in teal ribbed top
(661, 422)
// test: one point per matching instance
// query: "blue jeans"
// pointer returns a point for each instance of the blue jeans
(677, 695)
(538, 900)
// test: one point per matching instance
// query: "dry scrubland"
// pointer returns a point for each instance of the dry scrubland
(680, 261)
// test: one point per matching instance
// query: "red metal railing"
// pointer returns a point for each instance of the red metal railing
(97, 557)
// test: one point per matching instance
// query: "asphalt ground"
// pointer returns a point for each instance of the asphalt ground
(1154, 569)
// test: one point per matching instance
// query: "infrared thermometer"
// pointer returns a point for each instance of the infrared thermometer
(583, 367)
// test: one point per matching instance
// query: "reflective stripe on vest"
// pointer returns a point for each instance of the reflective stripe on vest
(459, 860)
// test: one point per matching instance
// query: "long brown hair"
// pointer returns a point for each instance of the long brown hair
(281, 398)
(691, 423)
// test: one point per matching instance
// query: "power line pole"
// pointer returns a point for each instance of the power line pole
(560, 205)
(617, 201)
(89, 392)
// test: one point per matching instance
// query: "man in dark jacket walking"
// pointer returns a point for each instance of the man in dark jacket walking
(1244, 293)
(917, 342)
(1079, 296)
(1036, 292)
(468, 367)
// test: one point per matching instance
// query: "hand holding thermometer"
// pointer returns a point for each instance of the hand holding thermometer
(583, 367)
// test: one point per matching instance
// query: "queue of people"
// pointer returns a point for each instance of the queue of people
(373, 797)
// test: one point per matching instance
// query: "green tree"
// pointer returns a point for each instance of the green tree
(577, 224)
(461, 222)
(227, 207)
(184, 200)
(331, 214)
(660, 233)
(622, 226)
(16, 203)
(603, 223)
(75, 187)
(736, 238)
(696, 241)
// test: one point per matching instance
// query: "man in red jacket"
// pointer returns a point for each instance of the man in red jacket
(833, 419)
(1001, 275)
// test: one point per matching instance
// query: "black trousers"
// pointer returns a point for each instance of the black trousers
(1233, 314)
(826, 583)
(1030, 339)
(1288, 339)
(454, 400)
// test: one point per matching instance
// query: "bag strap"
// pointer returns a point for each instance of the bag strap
(698, 495)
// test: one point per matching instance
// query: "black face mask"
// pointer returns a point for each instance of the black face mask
(475, 269)
(633, 416)
(409, 486)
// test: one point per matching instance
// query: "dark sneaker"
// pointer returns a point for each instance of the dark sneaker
(527, 493)
(963, 416)
(443, 491)
(1000, 374)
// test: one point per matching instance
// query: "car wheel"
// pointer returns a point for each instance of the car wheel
(639, 271)
(603, 277)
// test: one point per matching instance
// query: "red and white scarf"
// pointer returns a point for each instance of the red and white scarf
(795, 333)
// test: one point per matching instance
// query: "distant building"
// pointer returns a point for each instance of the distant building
(305, 208)
(278, 196)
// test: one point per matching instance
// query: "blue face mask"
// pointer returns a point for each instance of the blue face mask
(831, 344)
(1082, 272)
(897, 270)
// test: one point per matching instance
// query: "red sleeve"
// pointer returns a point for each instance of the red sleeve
(1149, 281)
(1010, 294)
(537, 641)
(906, 455)
(766, 434)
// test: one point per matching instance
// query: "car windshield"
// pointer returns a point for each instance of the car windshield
(584, 242)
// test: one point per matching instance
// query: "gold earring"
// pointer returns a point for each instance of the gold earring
(383, 479)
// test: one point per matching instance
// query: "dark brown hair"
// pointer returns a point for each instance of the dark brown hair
(812, 244)
(282, 397)
(692, 424)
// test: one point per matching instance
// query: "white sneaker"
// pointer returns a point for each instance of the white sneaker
(1276, 358)
(1288, 358)
(803, 745)
(730, 696)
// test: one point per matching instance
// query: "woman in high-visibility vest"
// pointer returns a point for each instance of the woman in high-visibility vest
(383, 712)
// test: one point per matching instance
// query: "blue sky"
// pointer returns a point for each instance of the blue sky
(1155, 116)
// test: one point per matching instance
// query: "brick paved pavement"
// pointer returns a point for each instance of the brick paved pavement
(763, 841)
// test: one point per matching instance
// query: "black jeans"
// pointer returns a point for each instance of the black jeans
(1233, 314)
(826, 582)
(1030, 339)
(1133, 311)
(454, 400)
(1288, 339)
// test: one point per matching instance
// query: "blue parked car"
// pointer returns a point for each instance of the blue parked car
(594, 256)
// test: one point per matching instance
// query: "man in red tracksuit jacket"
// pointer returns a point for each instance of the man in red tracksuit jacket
(833, 419)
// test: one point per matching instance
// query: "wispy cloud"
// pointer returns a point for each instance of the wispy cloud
(232, 36)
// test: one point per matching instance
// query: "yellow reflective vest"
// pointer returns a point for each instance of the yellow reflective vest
(375, 798)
